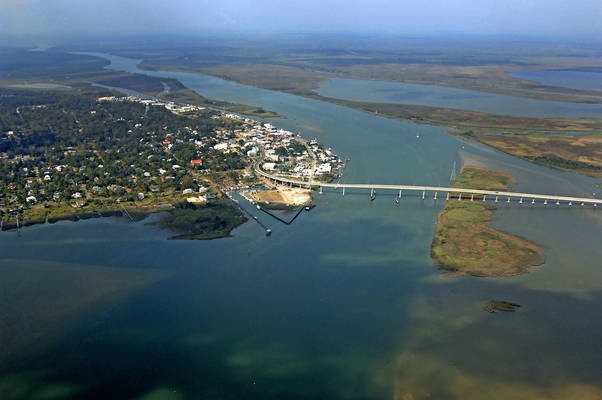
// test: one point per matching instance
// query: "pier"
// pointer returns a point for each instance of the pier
(267, 230)
(299, 211)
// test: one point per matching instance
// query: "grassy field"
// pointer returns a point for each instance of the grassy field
(273, 77)
(483, 78)
(581, 154)
(467, 120)
(482, 178)
(463, 242)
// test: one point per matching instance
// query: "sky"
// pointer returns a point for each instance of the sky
(103, 17)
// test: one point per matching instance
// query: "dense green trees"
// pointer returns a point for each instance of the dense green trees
(53, 144)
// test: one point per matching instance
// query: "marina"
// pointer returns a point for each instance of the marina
(367, 313)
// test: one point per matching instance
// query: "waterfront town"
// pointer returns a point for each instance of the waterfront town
(115, 152)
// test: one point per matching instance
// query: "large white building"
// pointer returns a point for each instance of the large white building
(269, 166)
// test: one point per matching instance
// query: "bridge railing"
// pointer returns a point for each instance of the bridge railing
(449, 191)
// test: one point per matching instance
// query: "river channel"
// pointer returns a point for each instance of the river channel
(343, 304)
(437, 96)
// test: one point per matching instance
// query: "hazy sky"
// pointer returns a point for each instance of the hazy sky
(529, 17)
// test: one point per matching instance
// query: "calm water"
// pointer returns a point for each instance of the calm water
(583, 80)
(406, 93)
(39, 85)
(343, 304)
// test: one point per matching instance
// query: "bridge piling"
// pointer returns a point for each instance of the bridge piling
(450, 193)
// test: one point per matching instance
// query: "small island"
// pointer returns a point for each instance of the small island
(463, 242)
(207, 221)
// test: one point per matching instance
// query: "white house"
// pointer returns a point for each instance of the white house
(324, 168)
(221, 146)
(269, 166)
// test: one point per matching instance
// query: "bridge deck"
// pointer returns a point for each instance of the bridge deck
(499, 194)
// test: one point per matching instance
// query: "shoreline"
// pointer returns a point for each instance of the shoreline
(502, 125)
(465, 244)
(135, 215)
(526, 89)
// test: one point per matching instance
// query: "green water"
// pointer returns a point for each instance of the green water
(343, 304)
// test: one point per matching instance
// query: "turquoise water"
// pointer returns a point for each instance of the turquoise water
(343, 304)
(437, 96)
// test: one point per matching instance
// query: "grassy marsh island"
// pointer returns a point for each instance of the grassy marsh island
(463, 242)
(550, 142)
(211, 221)
(574, 153)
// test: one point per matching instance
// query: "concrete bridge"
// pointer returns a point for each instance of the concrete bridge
(446, 193)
